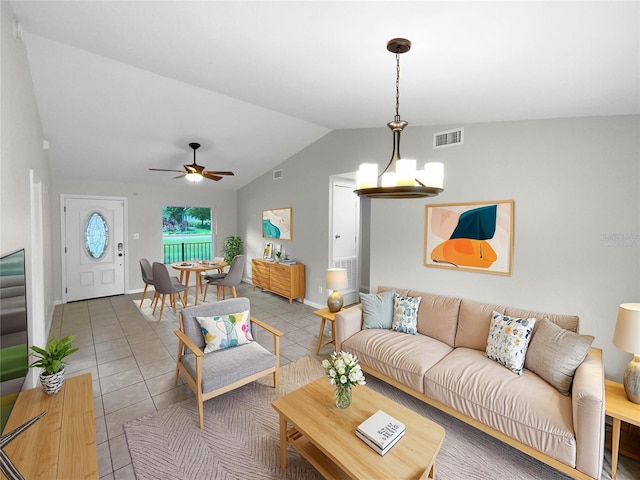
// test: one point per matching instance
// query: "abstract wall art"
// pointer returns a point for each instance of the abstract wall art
(276, 223)
(475, 237)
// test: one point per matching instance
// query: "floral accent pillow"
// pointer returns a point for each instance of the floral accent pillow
(405, 314)
(225, 331)
(508, 340)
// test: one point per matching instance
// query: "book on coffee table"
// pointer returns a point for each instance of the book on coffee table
(381, 451)
(381, 429)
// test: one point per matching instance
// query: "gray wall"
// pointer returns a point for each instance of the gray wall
(575, 184)
(145, 204)
(21, 151)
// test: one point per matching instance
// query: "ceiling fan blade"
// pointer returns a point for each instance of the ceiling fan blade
(164, 170)
(219, 173)
(180, 176)
(211, 176)
(194, 168)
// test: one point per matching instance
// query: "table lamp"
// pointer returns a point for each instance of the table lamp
(627, 337)
(336, 280)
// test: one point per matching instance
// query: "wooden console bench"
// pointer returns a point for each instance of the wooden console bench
(62, 444)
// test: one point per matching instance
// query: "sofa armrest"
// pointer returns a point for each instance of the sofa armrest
(589, 413)
(347, 323)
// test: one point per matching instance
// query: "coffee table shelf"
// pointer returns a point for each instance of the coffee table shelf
(315, 457)
(325, 435)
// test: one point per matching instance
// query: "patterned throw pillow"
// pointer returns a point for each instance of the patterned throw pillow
(225, 331)
(508, 340)
(405, 314)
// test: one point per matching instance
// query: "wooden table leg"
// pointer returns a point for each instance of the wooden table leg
(320, 336)
(283, 442)
(198, 285)
(615, 445)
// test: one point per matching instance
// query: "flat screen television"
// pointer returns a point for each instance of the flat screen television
(14, 337)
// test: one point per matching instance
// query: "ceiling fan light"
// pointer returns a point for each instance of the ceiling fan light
(193, 177)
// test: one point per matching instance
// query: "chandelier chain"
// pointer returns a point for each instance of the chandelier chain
(397, 86)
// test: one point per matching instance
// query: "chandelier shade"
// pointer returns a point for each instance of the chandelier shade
(400, 178)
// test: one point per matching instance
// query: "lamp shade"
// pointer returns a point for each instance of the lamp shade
(627, 334)
(337, 279)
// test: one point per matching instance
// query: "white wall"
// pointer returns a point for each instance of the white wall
(575, 183)
(21, 151)
(145, 204)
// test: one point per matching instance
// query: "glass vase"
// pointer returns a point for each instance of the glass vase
(343, 396)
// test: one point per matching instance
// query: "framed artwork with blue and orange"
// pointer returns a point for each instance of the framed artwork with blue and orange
(475, 236)
(276, 223)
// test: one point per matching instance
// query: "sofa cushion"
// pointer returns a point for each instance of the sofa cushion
(473, 324)
(438, 316)
(405, 314)
(377, 309)
(554, 354)
(568, 322)
(404, 358)
(508, 340)
(225, 331)
(482, 389)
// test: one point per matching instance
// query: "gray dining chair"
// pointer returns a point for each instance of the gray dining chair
(164, 286)
(147, 278)
(229, 280)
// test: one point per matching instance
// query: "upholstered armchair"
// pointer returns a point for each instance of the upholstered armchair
(235, 358)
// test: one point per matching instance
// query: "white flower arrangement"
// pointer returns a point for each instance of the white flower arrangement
(344, 370)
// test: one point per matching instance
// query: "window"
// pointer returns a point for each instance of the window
(96, 236)
(186, 234)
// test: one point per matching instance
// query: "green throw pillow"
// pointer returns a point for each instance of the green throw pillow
(377, 309)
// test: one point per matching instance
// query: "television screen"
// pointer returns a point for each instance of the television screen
(14, 348)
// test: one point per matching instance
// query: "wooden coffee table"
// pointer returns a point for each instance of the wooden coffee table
(325, 435)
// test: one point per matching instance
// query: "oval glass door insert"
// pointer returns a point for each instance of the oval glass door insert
(96, 236)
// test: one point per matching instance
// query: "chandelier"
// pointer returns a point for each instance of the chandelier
(399, 179)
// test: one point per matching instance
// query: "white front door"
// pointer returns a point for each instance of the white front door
(93, 247)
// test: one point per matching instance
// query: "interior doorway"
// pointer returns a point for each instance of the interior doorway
(344, 238)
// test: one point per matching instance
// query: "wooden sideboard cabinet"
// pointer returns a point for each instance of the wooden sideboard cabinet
(284, 280)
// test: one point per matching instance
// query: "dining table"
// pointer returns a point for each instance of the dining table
(199, 267)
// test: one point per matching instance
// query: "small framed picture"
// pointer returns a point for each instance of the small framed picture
(268, 251)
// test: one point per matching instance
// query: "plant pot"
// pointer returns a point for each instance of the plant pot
(52, 383)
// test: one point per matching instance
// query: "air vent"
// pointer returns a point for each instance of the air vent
(448, 138)
(277, 174)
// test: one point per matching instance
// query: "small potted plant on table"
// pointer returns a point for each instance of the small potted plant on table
(50, 359)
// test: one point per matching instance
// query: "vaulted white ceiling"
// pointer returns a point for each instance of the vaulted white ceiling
(123, 86)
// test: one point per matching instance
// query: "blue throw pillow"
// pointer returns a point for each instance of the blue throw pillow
(377, 309)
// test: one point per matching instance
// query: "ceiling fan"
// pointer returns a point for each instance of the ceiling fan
(195, 172)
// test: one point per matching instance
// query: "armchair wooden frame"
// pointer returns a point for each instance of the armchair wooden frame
(195, 384)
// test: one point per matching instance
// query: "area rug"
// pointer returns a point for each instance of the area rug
(241, 438)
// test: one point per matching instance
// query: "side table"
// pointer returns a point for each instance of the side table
(620, 409)
(326, 315)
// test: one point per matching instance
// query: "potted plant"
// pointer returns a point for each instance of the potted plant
(50, 359)
(232, 247)
(278, 256)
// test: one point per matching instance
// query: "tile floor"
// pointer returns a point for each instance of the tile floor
(131, 357)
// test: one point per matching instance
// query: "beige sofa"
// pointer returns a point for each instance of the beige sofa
(445, 365)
